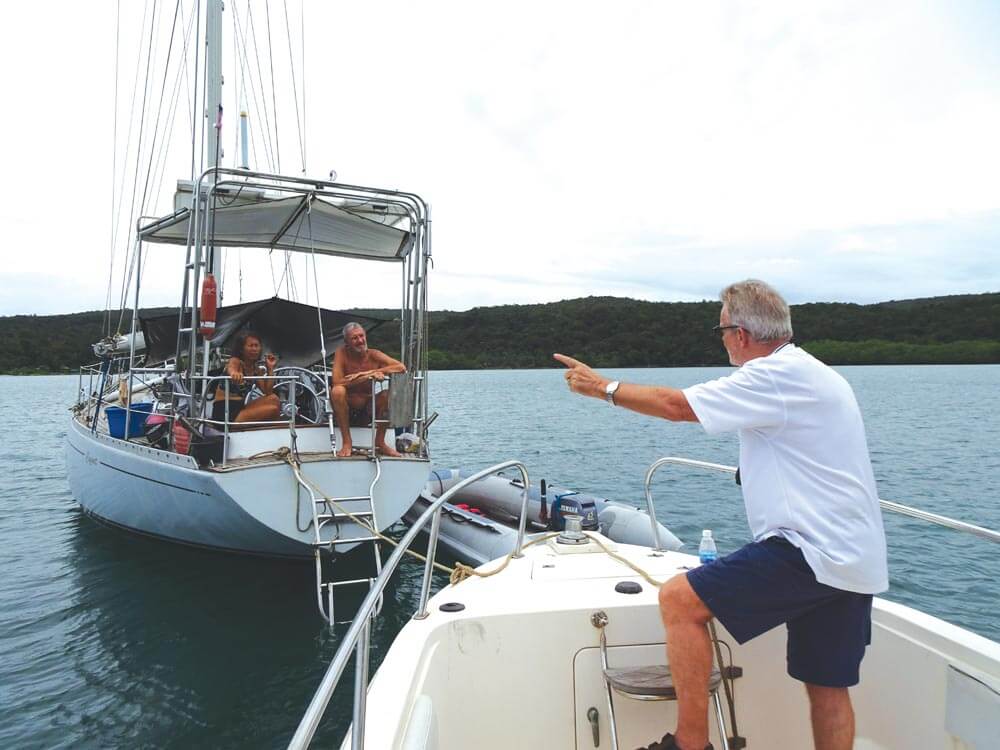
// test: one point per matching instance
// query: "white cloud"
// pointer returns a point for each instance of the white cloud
(647, 149)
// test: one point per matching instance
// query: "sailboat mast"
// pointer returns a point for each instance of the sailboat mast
(213, 96)
(213, 126)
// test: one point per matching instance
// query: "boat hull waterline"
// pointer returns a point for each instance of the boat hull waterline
(256, 509)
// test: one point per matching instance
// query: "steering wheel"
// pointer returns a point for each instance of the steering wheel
(310, 393)
(312, 380)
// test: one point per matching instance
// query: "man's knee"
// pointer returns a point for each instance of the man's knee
(680, 603)
(823, 697)
(339, 394)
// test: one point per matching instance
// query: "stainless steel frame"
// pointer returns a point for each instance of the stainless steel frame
(356, 638)
(415, 263)
(905, 510)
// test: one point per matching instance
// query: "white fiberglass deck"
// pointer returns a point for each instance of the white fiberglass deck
(519, 667)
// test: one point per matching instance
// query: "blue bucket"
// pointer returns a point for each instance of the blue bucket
(137, 422)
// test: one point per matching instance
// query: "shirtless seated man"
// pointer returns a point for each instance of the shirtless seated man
(354, 367)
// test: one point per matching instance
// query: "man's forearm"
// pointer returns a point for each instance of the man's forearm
(655, 401)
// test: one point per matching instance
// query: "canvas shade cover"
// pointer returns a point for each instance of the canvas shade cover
(289, 329)
(295, 224)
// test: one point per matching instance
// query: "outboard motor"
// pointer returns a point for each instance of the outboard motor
(573, 504)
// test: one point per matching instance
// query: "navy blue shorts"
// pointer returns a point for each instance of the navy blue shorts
(765, 584)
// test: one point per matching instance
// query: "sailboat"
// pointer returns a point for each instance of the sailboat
(144, 450)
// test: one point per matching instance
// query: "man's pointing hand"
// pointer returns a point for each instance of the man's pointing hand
(580, 378)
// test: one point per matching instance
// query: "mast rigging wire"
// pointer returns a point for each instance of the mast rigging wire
(116, 224)
(159, 108)
(181, 77)
(114, 174)
(271, 140)
(247, 72)
(135, 181)
(159, 166)
(274, 101)
(295, 90)
(302, 37)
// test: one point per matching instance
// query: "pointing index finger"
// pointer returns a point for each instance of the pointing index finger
(567, 361)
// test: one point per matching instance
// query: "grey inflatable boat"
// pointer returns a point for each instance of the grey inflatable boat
(482, 524)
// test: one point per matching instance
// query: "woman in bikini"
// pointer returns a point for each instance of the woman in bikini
(243, 365)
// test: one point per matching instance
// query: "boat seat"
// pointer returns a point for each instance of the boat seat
(652, 682)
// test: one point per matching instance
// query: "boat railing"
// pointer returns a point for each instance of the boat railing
(888, 505)
(358, 636)
(113, 373)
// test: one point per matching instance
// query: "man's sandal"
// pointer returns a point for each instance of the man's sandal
(669, 743)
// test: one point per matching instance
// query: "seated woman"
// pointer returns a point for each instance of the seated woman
(243, 365)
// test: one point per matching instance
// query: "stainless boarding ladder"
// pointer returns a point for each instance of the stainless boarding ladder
(358, 636)
(325, 513)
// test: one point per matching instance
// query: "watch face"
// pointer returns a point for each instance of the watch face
(609, 391)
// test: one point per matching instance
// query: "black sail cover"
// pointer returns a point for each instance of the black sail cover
(289, 329)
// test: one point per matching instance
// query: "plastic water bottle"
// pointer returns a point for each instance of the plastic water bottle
(706, 550)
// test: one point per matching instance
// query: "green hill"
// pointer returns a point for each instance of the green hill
(606, 332)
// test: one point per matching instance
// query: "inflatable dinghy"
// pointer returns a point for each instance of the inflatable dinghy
(481, 525)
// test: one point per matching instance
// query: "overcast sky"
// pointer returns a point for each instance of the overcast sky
(843, 151)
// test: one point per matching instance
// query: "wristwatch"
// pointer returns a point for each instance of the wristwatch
(609, 391)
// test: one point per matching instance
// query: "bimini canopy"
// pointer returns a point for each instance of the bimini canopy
(289, 329)
(301, 223)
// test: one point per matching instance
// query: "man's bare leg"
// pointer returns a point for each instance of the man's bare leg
(338, 397)
(382, 410)
(832, 717)
(689, 653)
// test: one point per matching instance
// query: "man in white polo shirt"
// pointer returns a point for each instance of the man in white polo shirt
(818, 553)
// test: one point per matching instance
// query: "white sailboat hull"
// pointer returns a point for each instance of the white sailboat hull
(257, 508)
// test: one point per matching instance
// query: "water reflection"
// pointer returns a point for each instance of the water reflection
(226, 648)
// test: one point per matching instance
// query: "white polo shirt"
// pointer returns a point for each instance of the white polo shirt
(804, 464)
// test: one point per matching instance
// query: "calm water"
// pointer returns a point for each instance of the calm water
(110, 640)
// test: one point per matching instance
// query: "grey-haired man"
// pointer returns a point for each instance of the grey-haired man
(819, 551)
(354, 367)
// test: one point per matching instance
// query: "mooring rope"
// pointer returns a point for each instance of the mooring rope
(461, 571)
(456, 575)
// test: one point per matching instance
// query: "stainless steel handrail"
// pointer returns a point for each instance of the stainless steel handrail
(360, 626)
(905, 510)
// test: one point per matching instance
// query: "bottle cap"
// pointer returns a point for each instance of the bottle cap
(706, 532)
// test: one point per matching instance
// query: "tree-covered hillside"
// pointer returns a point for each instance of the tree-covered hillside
(605, 332)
